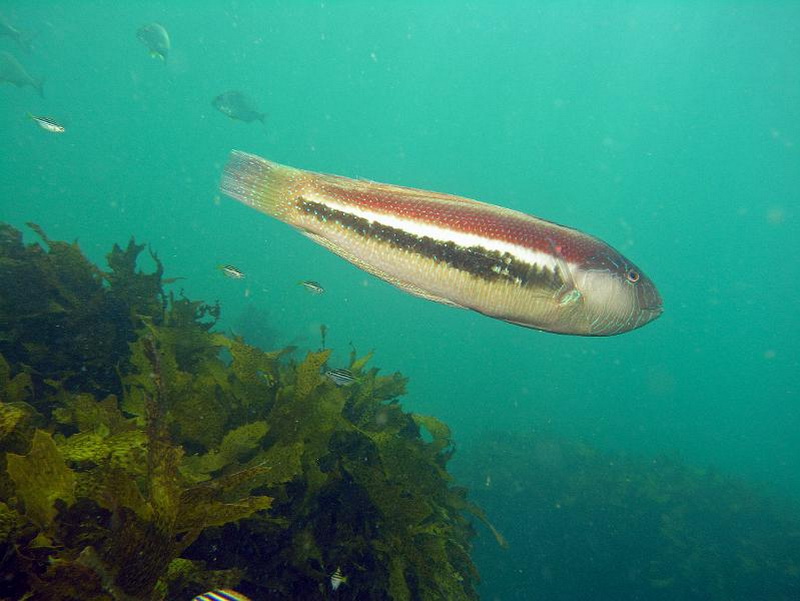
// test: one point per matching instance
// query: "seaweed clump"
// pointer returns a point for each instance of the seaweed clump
(144, 456)
(586, 524)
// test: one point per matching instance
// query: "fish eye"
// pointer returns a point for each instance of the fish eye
(632, 275)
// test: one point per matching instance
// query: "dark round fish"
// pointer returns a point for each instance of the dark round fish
(156, 38)
(237, 105)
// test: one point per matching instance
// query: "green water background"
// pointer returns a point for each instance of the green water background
(669, 129)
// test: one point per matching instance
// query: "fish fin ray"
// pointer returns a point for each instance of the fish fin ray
(568, 294)
(258, 183)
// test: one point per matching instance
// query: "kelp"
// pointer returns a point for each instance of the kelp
(169, 459)
(65, 319)
(607, 525)
(42, 478)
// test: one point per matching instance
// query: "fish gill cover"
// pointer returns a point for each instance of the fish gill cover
(140, 461)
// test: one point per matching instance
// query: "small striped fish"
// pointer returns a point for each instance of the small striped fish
(338, 579)
(231, 272)
(312, 286)
(341, 377)
(453, 250)
(48, 124)
(222, 594)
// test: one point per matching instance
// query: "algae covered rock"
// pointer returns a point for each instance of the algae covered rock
(145, 456)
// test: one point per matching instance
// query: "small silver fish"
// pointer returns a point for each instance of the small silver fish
(338, 579)
(222, 594)
(340, 377)
(312, 286)
(48, 124)
(156, 38)
(231, 272)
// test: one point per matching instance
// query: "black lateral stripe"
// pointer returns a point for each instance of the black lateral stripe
(490, 265)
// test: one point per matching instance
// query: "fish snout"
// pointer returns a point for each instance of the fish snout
(649, 299)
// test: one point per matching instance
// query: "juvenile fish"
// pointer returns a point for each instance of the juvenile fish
(232, 272)
(48, 124)
(221, 595)
(340, 377)
(312, 286)
(156, 38)
(338, 579)
(453, 250)
(11, 71)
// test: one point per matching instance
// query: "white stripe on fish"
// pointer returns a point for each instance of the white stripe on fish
(435, 232)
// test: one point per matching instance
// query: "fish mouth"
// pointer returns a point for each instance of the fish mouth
(649, 313)
(650, 302)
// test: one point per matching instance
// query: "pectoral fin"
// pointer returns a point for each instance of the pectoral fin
(568, 294)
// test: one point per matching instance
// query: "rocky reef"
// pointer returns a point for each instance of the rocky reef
(589, 524)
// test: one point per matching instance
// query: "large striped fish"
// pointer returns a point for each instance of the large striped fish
(457, 251)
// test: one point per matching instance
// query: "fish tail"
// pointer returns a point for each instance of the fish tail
(259, 183)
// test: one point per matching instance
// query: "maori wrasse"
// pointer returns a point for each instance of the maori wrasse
(453, 250)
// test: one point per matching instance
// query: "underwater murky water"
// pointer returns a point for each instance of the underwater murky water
(669, 130)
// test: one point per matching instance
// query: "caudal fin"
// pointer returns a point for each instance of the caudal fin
(259, 183)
